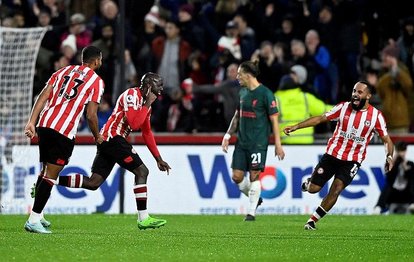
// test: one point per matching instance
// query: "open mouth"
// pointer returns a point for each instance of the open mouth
(356, 101)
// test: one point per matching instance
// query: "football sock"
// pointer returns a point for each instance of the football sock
(318, 214)
(254, 195)
(244, 186)
(140, 192)
(42, 195)
(74, 181)
(39, 179)
(34, 217)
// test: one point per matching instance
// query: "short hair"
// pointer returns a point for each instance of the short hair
(150, 79)
(250, 67)
(369, 86)
(90, 53)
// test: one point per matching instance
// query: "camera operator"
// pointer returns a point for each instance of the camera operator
(398, 192)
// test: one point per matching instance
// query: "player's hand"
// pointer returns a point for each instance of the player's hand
(99, 139)
(163, 166)
(279, 153)
(30, 130)
(289, 129)
(151, 97)
(388, 164)
(225, 144)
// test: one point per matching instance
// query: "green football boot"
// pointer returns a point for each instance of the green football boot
(151, 222)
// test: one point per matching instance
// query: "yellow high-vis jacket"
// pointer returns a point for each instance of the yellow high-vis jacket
(295, 106)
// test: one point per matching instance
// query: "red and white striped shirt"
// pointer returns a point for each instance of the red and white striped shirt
(73, 87)
(130, 114)
(354, 130)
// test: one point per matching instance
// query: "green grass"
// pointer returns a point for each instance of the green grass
(210, 238)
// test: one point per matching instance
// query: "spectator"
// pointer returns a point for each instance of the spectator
(106, 43)
(326, 75)
(231, 41)
(171, 53)
(49, 39)
(296, 104)
(286, 32)
(69, 49)
(181, 113)
(130, 75)
(395, 88)
(406, 44)
(246, 35)
(104, 110)
(229, 89)
(269, 66)
(78, 28)
(398, 192)
(190, 30)
(141, 54)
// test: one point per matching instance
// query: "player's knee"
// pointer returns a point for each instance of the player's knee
(312, 189)
(237, 179)
(141, 172)
(93, 183)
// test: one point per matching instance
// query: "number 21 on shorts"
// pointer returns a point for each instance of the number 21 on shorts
(256, 158)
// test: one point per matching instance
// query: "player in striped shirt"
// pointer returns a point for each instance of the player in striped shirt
(131, 113)
(357, 122)
(57, 111)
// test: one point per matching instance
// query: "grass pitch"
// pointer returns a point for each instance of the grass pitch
(210, 238)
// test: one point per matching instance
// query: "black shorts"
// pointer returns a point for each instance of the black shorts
(116, 150)
(248, 159)
(54, 148)
(329, 166)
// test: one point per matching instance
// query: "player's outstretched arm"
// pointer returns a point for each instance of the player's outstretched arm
(312, 121)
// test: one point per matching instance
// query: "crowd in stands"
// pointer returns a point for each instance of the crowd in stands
(197, 45)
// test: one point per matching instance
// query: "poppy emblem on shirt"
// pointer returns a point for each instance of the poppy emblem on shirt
(367, 123)
(254, 102)
(128, 159)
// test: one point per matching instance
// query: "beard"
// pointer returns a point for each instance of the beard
(360, 105)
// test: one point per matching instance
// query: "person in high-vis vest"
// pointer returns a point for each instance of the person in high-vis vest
(296, 105)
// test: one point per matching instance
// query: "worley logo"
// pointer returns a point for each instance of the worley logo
(274, 181)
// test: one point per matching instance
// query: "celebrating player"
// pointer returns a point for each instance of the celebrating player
(252, 122)
(60, 106)
(132, 112)
(357, 121)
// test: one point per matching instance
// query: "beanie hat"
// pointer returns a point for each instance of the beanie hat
(77, 18)
(391, 50)
(153, 15)
(300, 72)
(70, 41)
(188, 8)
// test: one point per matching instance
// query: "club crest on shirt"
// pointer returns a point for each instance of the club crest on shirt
(133, 151)
(367, 123)
(320, 171)
(254, 102)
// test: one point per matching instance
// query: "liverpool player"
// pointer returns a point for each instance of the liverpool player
(57, 111)
(357, 122)
(132, 112)
(254, 120)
